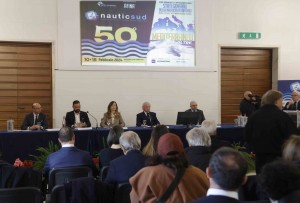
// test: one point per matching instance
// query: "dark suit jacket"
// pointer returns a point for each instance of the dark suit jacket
(70, 118)
(29, 121)
(108, 154)
(124, 167)
(198, 156)
(294, 107)
(151, 120)
(217, 143)
(216, 199)
(67, 157)
(201, 115)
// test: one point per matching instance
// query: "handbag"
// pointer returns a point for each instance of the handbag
(172, 186)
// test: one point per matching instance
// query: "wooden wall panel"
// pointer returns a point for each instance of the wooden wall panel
(243, 69)
(25, 78)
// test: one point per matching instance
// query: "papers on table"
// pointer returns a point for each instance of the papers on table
(53, 129)
(89, 128)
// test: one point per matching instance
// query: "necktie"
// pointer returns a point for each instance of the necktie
(35, 120)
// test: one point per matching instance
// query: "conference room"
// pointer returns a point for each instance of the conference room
(211, 52)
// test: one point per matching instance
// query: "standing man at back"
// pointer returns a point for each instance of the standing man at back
(226, 172)
(77, 118)
(146, 117)
(35, 120)
(193, 108)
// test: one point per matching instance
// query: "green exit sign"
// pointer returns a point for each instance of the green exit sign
(249, 35)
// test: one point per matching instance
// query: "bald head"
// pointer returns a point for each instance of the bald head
(193, 105)
(246, 95)
(36, 108)
(146, 107)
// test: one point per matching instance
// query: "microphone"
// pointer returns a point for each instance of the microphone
(93, 118)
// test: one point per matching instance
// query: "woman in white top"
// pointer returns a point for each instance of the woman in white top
(112, 117)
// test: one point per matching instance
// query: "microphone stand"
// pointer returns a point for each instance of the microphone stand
(93, 118)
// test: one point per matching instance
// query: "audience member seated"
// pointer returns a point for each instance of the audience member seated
(114, 150)
(146, 117)
(198, 152)
(151, 183)
(151, 148)
(68, 155)
(291, 150)
(226, 172)
(112, 117)
(281, 181)
(35, 120)
(193, 108)
(124, 167)
(211, 128)
(77, 118)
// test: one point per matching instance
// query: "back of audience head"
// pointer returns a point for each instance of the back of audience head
(114, 135)
(66, 135)
(291, 149)
(130, 140)
(210, 126)
(272, 97)
(170, 152)
(156, 133)
(227, 169)
(279, 178)
(198, 137)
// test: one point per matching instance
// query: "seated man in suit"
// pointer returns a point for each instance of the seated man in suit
(77, 118)
(68, 155)
(293, 105)
(124, 167)
(226, 172)
(194, 108)
(146, 117)
(35, 120)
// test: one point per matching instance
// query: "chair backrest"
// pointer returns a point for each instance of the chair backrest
(122, 194)
(103, 172)
(58, 194)
(59, 176)
(21, 194)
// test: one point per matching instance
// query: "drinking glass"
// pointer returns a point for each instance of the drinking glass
(144, 122)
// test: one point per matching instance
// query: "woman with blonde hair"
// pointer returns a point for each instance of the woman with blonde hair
(151, 148)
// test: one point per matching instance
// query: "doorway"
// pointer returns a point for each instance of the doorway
(243, 69)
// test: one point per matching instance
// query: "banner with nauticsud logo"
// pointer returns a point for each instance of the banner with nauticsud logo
(138, 33)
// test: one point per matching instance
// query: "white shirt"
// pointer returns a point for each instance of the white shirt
(77, 117)
(67, 145)
(220, 192)
(35, 116)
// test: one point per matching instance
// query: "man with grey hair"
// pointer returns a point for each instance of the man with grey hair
(35, 120)
(146, 118)
(268, 128)
(124, 167)
(194, 108)
(293, 103)
(198, 152)
(210, 126)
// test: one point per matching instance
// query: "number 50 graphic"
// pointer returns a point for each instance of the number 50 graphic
(106, 33)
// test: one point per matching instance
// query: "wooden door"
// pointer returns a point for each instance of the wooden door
(25, 78)
(243, 69)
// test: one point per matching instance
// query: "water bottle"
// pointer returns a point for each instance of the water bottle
(63, 123)
(10, 125)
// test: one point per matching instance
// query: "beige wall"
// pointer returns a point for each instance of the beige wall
(218, 22)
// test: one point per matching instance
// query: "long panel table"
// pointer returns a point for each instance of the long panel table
(22, 144)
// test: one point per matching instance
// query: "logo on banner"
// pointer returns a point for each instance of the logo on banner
(295, 86)
(91, 15)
